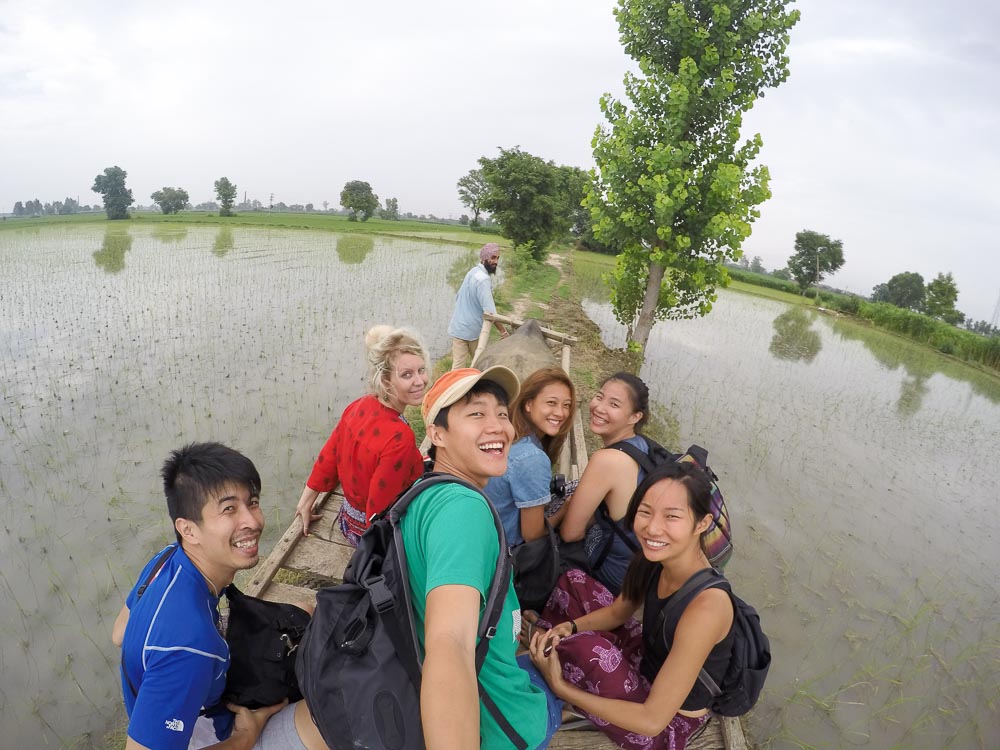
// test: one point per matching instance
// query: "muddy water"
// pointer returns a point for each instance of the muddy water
(863, 478)
(119, 344)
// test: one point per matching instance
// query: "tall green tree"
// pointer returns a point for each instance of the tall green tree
(19, 209)
(942, 294)
(358, 198)
(902, 290)
(225, 192)
(471, 190)
(528, 197)
(391, 210)
(111, 186)
(674, 188)
(815, 256)
(170, 200)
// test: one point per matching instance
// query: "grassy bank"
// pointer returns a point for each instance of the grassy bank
(969, 347)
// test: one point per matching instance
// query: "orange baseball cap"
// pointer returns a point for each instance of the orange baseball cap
(452, 386)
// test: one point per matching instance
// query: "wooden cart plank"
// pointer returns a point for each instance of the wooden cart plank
(297, 595)
(713, 737)
(549, 333)
(264, 572)
(321, 557)
(484, 338)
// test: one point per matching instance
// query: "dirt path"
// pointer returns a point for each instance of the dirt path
(522, 304)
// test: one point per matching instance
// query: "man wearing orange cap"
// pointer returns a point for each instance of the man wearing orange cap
(451, 548)
(475, 297)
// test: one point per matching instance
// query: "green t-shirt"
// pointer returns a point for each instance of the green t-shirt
(449, 537)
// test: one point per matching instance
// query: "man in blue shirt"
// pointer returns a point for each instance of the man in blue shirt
(475, 297)
(174, 661)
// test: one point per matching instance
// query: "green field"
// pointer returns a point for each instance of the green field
(315, 221)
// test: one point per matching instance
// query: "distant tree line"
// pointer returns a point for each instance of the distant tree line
(816, 255)
(37, 208)
(936, 298)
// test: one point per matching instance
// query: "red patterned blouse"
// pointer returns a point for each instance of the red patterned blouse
(373, 454)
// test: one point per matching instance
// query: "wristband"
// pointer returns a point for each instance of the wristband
(572, 624)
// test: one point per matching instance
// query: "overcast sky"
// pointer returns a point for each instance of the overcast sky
(883, 136)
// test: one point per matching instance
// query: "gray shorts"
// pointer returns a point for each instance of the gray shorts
(279, 732)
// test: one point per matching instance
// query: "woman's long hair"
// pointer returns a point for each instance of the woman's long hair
(641, 571)
(531, 387)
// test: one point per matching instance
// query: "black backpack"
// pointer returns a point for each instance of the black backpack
(358, 663)
(263, 637)
(719, 537)
(751, 656)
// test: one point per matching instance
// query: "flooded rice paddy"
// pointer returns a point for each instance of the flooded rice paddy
(120, 344)
(863, 479)
(861, 471)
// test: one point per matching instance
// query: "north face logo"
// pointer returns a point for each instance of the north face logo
(175, 725)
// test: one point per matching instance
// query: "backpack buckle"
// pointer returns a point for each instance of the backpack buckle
(380, 595)
(490, 632)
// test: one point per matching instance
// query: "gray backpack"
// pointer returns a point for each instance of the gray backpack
(358, 664)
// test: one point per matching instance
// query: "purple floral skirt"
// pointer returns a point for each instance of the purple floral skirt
(607, 664)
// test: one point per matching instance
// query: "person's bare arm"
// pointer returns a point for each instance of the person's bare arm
(533, 523)
(595, 484)
(449, 696)
(118, 629)
(246, 728)
(305, 508)
(604, 619)
(705, 622)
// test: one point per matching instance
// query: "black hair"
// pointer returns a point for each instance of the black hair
(191, 473)
(641, 571)
(482, 386)
(638, 391)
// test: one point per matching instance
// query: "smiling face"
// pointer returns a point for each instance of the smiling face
(475, 444)
(613, 416)
(227, 537)
(407, 381)
(549, 410)
(665, 525)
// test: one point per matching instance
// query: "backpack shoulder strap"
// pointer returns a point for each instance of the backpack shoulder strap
(160, 562)
(605, 514)
(704, 579)
(641, 457)
(495, 597)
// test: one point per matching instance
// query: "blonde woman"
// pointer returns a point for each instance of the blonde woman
(372, 452)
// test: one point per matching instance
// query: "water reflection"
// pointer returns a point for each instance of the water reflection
(170, 234)
(111, 257)
(794, 339)
(861, 489)
(918, 363)
(463, 262)
(103, 375)
(223, 242)
(352, 249)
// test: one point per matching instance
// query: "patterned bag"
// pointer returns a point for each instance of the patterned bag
(719, 538)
